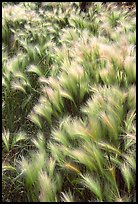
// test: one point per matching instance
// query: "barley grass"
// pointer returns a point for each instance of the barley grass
(68, 102)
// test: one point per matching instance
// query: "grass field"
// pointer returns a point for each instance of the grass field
(68, 102)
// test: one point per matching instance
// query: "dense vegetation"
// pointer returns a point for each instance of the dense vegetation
(68, 102)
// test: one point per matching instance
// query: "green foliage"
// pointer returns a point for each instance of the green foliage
(68, 102)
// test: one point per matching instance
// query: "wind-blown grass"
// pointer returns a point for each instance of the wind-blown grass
(68, 102)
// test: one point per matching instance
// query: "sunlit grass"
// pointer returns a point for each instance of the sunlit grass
(68, 102)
